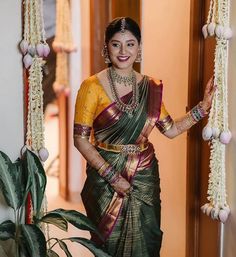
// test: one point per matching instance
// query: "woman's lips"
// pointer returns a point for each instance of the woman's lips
(123, 58)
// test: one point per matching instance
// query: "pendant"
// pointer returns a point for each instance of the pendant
(130, 115)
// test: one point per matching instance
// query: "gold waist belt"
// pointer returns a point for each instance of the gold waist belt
(126, 149)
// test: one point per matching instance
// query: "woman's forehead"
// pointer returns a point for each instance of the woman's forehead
(123, 37)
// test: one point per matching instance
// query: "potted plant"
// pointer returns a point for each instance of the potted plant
(26, 177)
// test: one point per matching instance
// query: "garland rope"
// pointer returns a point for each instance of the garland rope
(34, 48)
(217, 130)
(63, 45)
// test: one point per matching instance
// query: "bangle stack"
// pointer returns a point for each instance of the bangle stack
(198, 112)
(108, 173)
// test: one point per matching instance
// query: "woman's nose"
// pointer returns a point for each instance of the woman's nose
(122, 49)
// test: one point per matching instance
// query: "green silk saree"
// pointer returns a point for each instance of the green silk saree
(130, 225)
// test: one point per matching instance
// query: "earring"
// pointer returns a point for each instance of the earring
(139, 56)
(105, 54)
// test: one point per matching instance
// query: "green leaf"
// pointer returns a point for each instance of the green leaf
(64, 248)
(7, 230)
(77, 219)
(34, 240)
(56, 220)
(98, 252)
(8, 183)
(51, 253)
(38, 180)
(22, 177)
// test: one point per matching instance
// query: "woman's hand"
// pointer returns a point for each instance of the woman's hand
(121, 186)
(208, 95)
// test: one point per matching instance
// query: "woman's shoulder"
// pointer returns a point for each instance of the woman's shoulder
(155, 81)
(91, 82)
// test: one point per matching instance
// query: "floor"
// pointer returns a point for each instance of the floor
(52, 193)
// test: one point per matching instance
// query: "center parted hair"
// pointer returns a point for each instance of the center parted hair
(115, 26)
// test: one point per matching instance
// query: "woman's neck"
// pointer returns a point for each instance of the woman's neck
(123, 72)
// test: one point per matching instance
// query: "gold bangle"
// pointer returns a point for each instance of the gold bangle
(104, 166)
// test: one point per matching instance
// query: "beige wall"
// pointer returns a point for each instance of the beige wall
(79, 70)
(11, 94)
(165, 31)
(11, 84)
(229, 246)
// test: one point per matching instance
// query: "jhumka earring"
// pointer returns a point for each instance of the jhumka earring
(139, 56)
(105, 54)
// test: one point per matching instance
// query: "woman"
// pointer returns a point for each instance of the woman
(121, 107)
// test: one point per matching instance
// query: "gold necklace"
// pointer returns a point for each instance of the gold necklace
(126, 80)
(128, 108)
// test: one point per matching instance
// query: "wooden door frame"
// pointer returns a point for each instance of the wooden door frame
(194, 221)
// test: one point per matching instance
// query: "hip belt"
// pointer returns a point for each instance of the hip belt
(125, 149)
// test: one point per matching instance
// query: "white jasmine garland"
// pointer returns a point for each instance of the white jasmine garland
(217, 207)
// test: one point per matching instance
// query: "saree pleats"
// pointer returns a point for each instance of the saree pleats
(130, 226)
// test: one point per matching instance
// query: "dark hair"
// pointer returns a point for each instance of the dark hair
(115, 26)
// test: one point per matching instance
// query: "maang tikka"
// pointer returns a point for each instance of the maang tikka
(122, 26)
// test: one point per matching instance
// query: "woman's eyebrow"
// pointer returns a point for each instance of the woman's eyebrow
(129, 40)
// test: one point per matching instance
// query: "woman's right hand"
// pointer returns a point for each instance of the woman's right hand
(121, 186)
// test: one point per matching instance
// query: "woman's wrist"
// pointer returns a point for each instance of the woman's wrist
(108, 173)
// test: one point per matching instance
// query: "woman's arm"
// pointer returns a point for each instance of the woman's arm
(186, 122)
(89, 152)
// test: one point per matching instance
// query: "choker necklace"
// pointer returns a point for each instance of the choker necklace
(128, 108)
(126, 80)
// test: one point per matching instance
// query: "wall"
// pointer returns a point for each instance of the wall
(79, 70)
(11, 84)
(229, 246)
(165, 31)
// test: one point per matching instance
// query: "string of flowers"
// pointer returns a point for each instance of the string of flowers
(217, 130)
(34, 48)
(63, 45)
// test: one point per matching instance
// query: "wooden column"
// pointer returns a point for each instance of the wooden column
(202, 235)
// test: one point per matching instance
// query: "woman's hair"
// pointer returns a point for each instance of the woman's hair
(117, 24)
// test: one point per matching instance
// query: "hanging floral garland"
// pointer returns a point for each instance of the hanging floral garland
(63, 45)
(34, 49)
(217, 130)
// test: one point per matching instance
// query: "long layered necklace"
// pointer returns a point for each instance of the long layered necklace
(114, 78)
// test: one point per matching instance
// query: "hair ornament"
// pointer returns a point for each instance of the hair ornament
(122, 27)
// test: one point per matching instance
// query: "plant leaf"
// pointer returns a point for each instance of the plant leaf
(51, 253)
(64, 248)
(77, 219)
(33, 240)
(7, 230)
(38, 180)
(98, 252)
(8, 183)
(56, 220)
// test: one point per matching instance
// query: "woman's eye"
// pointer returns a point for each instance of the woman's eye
(115, 45)
(130, 44)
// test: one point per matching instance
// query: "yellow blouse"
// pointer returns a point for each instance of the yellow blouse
(92, 100)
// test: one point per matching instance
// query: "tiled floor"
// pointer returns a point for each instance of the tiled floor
(53, 198)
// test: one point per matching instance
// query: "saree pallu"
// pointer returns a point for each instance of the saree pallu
(130, 225)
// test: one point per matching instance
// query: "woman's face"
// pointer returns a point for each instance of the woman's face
(123, 49)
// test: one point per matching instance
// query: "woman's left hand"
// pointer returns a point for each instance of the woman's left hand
(208, 94)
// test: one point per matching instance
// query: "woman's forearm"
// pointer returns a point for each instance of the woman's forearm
(184, 123)
(89, 152)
